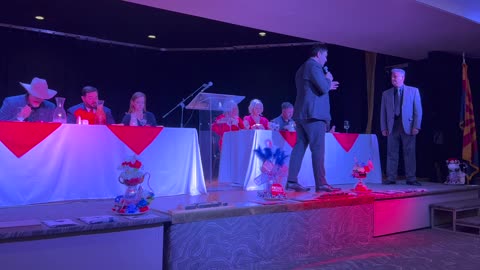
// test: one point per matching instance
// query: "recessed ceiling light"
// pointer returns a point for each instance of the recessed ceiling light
(152, 36)
(40, 18)
(262, 34)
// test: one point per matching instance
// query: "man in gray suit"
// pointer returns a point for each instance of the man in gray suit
(400, 121)
(312, 116)
(32, 106)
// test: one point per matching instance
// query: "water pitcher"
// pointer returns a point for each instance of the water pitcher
(59, 114)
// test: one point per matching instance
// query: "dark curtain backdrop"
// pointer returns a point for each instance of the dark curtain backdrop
(267, 74)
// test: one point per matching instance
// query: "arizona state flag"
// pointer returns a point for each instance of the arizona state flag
(470, 146)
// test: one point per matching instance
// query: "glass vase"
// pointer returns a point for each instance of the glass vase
(133, 194)
(59, 114)
(135, 200)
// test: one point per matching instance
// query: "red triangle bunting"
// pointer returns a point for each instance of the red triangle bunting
(346, 140)
(21, 137)
(290, 137)
(136, 138)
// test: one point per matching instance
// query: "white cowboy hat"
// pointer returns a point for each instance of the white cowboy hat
(39, 88)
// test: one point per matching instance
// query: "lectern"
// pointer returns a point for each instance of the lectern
(210, 106)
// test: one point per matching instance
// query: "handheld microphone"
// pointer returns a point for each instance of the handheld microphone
(325, 69)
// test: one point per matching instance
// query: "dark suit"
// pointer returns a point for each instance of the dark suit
(150, 117)
(312, 116)
(400, 130)
(71, 113)
(11, 105)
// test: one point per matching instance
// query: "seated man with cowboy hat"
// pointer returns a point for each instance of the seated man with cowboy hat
(32, 106)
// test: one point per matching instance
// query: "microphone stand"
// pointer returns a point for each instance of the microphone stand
(181, 104)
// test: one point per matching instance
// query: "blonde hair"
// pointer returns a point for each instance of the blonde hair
(229, 105)
(134, 97)
(254, 103)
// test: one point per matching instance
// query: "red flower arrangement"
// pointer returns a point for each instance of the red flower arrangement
(136, 165)
(360, 171)
(136, 200)
(132, 172)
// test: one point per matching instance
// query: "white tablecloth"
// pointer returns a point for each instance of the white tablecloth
(81, 162)
(240, 165)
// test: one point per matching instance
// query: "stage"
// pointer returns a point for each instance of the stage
(243, 231)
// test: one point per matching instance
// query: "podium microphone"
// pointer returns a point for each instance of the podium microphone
(209, 84)
(206, 86)
(182, 103)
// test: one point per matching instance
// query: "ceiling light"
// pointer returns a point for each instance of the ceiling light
(40, 18)
(262, 34)
(152, 36)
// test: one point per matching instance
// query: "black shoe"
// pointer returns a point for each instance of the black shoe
(414, 183)
(389, 182)
(326, 188)
(297, 187)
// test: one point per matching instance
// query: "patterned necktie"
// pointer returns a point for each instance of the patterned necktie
(398, 101)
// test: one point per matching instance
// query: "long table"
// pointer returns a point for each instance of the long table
(81, 161)
(239, 164)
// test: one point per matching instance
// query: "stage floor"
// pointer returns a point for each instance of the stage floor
(235, 195)
(333, 230)
(421, 249)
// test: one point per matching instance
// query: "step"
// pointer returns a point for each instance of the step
(473, 222)
(457, 205)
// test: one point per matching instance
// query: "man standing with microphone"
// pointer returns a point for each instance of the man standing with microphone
(312, 116)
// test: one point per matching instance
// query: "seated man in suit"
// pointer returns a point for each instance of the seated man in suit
(32, 106)
(88, 109)
(285, 121)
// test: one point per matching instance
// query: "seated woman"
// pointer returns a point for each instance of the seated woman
(228, 121)
(255, 120)
(137, 113)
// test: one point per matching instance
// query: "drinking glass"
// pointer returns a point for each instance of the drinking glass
(346, 125)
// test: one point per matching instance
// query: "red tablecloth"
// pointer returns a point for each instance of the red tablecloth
(21, 137)
(81, 162)
(290, 137)
(136, 138)
(240, 165)
(346, 140)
